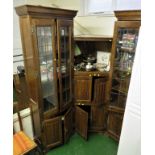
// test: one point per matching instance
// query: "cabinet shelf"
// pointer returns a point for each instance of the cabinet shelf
(128, 49)
(125, 49)
(121, 90)
(116, 109)
(93, 38)
(118, 93)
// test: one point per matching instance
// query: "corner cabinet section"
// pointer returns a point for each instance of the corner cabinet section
(90, 102)
(47, 41)
(123, 52)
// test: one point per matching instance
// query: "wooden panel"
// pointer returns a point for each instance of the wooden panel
(81, 122)
(114, 124)
(94, 38)
(44, 11)
(98, 118)
(91, 47)
(21, 91)
(52, 132)
(68, 124)
(83, 88)
(99, 91)
(128, 15)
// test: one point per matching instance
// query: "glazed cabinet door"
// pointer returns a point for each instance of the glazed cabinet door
(52, 132)
(81, 122)
(114, 122)
(44, 34)
(124, 48)
(83, 88)
(68, 124)
(65, 61)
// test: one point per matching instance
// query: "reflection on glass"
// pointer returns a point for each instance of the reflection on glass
(65, 63)
(44, 37)
(125, 50)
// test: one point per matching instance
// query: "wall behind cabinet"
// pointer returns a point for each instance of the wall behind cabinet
(128, 5)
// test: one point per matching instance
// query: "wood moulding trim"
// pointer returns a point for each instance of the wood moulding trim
(93, 38)
(113, 135)
(134, 15)
(44, 11)
(116, 109)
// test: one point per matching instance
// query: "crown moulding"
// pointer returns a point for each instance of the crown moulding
(44, 11)
(128, 15)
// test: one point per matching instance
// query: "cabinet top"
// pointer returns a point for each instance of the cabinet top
(92, 38)
(44, 11)
(128, 15)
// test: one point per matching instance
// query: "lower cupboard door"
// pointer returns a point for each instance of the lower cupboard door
(81, 122)
(68, 124)
(52, 132)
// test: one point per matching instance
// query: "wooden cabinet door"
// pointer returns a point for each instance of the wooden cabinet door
(81, 122)
(98, 118)
(52, 132)
(65, 61)
(114, 124)
(44, 70)
(99, 91)
(83, 88)
(68, 124)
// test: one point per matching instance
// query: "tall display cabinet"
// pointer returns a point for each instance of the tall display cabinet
(123, 52)
(47, 35)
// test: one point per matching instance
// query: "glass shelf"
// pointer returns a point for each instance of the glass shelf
(121, 90)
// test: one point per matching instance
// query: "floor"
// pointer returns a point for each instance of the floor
(97, 144)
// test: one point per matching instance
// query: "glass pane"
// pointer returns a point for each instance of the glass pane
(125, 51)
(65, 63)
(44, 36)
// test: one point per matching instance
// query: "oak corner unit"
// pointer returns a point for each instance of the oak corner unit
(123, 52)
(90, 86)
(47, 35)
